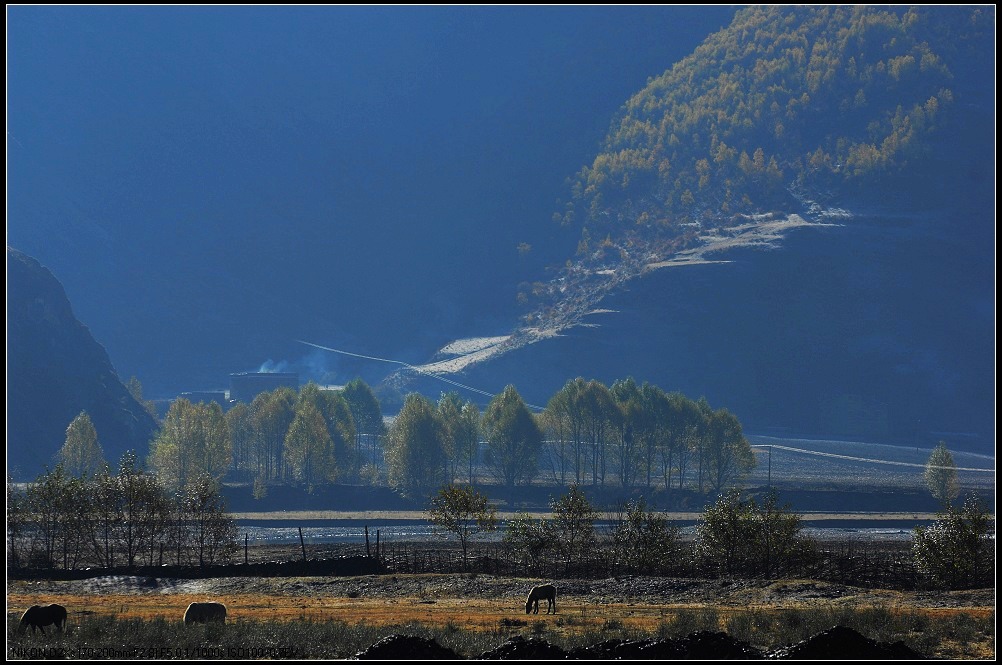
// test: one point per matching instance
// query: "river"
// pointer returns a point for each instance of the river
(417, 530)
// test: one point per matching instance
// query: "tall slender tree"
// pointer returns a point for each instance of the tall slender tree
(368, 417)
(728, 453)
(343, 432)
(271, 414)
(81, 454)
(309, 450)
(941, 475)
(513, 438)
(633, 425)
(142, 509)
(241, 428)
(211, 530)
(194, 439)
(450, 408)
(601, 416)
(468, 437)
(461, 432)
(414, 454)
(565, 419)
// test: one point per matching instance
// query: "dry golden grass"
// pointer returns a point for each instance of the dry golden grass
(436, 606)
(574, 616)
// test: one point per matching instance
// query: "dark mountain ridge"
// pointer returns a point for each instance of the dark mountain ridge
(55, 370)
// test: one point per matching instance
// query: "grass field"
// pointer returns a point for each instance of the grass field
(486, 610)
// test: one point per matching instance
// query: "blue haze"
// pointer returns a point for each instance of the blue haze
(212, 183)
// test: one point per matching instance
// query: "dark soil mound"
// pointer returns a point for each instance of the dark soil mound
(706, 645)
(623, 650)
(698, 646)
(519, 648)
(841, 643)
(407, 647)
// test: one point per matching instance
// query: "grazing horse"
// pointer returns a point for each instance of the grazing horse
(205, 612)
(39, 616)
(546, 592)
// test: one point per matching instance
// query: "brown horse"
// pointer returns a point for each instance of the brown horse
(546, 592)
(40, 616)
(205, 612)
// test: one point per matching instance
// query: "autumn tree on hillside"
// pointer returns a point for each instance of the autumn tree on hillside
(135, 389)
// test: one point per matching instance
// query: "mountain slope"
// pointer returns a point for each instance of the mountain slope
(877, 322)
(55, 370)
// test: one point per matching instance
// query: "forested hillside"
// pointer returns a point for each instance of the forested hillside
(786, 102)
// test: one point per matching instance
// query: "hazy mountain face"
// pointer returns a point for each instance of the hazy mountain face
(211, 184)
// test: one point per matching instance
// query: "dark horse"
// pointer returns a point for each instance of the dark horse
(546, 592)
(40, 616)
(205, 612)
